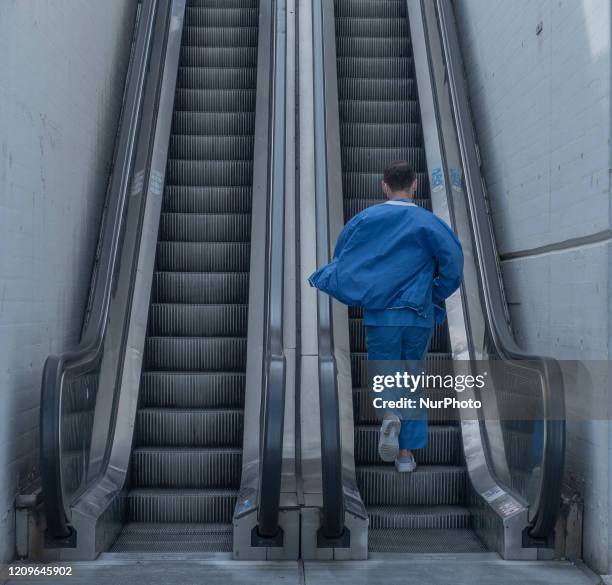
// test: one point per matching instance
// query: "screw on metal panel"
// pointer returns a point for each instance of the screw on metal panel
(539, 28)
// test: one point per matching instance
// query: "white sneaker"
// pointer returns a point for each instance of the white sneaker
(388, 437)
(405, 464)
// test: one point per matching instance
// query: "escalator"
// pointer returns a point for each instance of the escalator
(182, 344)
(424, 511)
(186, 461)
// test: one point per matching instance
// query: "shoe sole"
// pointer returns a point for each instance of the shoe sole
(407, 469)
(388, 442)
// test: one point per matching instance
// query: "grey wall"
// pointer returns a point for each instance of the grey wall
(541, 104)
(62, 73)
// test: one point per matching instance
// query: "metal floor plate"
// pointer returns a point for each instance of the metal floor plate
(170, 538)
(424, 541)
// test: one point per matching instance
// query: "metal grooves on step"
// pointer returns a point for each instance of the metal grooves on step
(187, 455)
(174, 538)
(379, 123)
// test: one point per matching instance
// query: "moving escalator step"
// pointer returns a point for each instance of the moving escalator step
(181, 505)
(381, 135)
(220, 36)
(203, 256)
(213, 123)
(214, 100)
(226, 173)
(372, 28)
(198, 320)
(369, 9)
(443, 446)
(200, 390)
(205, 227)
(195, 354)
(220, 16)
(174, 537)
(198, 199)
(200, 288)
(163, 427)
(172, 467)
(428, 485)
(216, 78)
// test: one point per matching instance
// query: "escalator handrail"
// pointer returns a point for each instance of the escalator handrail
(87, 356)
(273, 394)
(332, 523)
(547, 502)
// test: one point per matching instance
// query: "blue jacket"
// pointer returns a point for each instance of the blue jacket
(385, 261)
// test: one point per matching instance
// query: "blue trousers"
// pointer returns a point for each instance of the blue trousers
(402, 343)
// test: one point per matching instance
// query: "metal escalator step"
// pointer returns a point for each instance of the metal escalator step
(210, 36)
(381, 135)
(218, 57)
(354, 206)
(194, 354)
(426, 486)
(371, 27)
(376, 89)
(369, 9)
(173, 537)
(203, 257)
(221, 17)
(207, 199)
(200, 288)
(215, 100)
(186, 468)
(371, 160)
(208, 173)
(439, 340)
(216, 78)
(224, 3)
(189, 147)
(352, 46)
(443, 446)
(365, 413)
(360, 185)
(217, 390)
(375, 67)
(198, 320)
(199, 506)
(359, 362)
(164, 427)
(379, 112)
(213, 123)
(428, 541)
(419, 518)
(205, 227)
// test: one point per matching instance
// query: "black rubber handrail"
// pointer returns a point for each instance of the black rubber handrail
(332, 521)
(87, 356)
(547, 503)
(271, 454)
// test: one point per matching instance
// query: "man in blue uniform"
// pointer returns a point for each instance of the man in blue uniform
(399, 262)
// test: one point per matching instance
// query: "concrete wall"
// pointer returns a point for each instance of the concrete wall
(62, 74)
(541, 103)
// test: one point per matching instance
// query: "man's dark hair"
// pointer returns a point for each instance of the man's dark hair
(399, 176)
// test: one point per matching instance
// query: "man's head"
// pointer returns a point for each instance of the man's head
(399, 180)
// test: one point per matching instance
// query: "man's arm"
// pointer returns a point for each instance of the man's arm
(446, 249)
